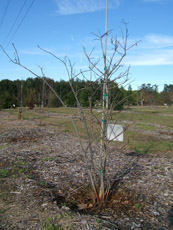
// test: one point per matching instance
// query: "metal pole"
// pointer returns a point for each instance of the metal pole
(106, 75)
(106, 26)
(103, 150)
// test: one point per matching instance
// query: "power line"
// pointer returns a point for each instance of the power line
(21, 22)
(14, 23)
(3, 17)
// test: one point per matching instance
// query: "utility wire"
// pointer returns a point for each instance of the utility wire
(3, 17)
(14, 23)
(21, 22)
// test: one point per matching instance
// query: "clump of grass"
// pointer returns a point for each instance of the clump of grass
(20, 162)
(19, 167)
(154, 147)
(2, 210)
(4, 146)
(144, 148)
(99, 225)
(68, 215)
(137, 206)
(4, 173)
(46, 159)
(144, 126)
(15, 170)
(43, 183)
(50, 225)
(144, 143)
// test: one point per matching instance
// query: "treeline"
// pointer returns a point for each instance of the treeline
(33, 92)
(148, 95)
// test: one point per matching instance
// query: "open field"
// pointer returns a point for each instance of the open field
(43, 181)
(150, 129)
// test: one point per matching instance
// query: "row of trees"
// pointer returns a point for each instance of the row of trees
(148, 95)
(32, 93)
(32, 90)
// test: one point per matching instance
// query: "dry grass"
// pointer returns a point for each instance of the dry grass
(150, 130)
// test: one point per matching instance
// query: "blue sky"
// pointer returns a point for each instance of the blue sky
(65, 26)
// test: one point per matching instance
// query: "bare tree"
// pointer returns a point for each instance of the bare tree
(106, 70)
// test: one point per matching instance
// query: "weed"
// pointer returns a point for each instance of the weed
(28, 177)
(49, 225)
(45, 159)
(19, 167)
(63, 204)
(59, 216)
(15, 175)
(137, 206)
(68, 214)
(4, 173)
(21, 170)
(43, 183)
(66, 130)
(98, 223)
(154, 146)
(48, 159)
(4, 146)
(2, 210)
(144, 127)
(157, 167)
(145, 148)
(20, 162)
(169, 146)
(25, 118)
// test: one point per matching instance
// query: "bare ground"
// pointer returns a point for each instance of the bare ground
(44, 184)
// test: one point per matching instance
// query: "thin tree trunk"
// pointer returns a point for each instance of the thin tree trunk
(42, 99)
(21, 102)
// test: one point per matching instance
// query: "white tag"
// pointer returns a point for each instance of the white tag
(115, 132)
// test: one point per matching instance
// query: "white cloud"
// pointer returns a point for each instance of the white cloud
(31, 52)
(148, 60)
(153, 50)
(159, 40)
(38, 52)
(152, 42)
(67, 7)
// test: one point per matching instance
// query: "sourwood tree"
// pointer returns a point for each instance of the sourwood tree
(105, 76)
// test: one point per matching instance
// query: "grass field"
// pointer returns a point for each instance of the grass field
(150, 128)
